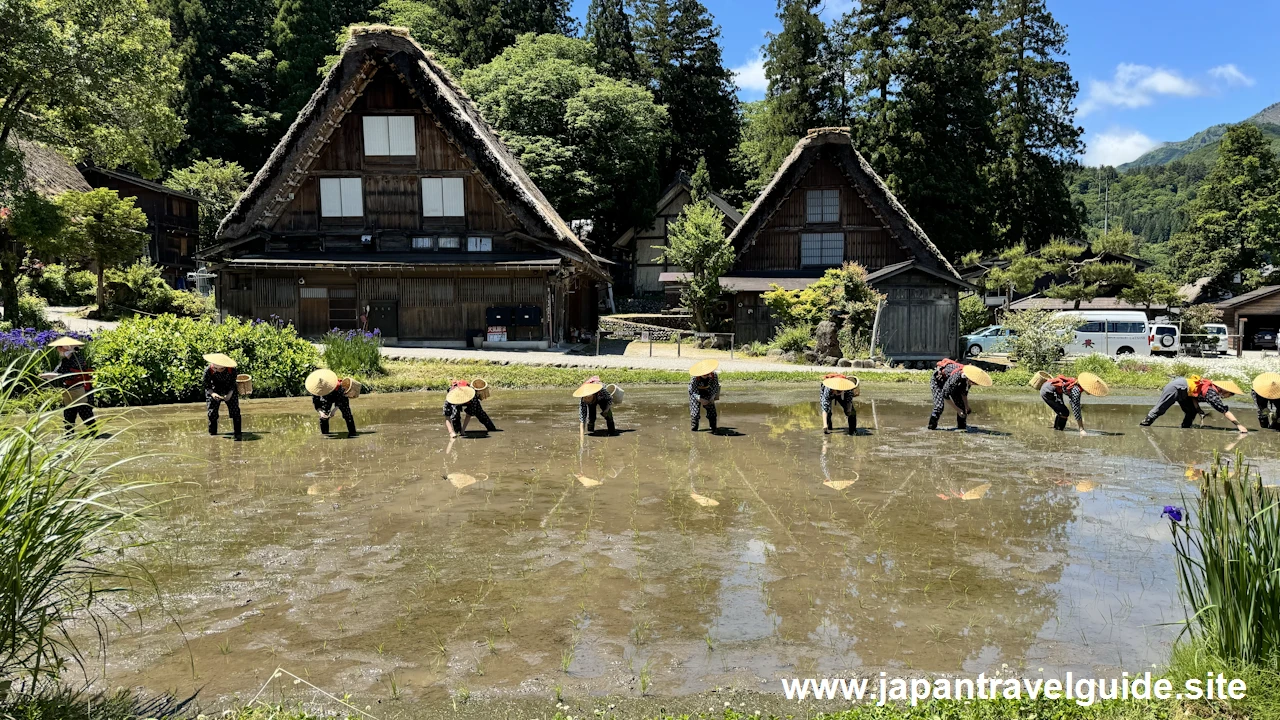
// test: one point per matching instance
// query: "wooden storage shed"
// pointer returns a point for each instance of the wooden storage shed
(391, 204)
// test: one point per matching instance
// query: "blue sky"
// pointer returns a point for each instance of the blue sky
(1148, 71)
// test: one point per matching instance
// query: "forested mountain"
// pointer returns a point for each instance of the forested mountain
(1203, 146)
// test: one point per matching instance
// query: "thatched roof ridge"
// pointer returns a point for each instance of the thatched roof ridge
(48, 172)
(868, 184)
(374, 48)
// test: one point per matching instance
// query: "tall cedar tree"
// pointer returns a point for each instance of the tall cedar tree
(477, 31)
(679, 47)
(608, 27)
(943, 146)
(1035, 125)
(802, 88)
(227, 110)
(1234, 221)
(303, 34)
(868, 41)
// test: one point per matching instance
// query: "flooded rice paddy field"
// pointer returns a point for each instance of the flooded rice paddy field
(400, 564)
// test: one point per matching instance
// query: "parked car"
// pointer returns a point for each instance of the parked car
(987, 339)
(1264, 339)
(1219, 331)
(1110, 332)
(1165, 340)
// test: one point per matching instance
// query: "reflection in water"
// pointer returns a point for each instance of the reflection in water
(496, 562)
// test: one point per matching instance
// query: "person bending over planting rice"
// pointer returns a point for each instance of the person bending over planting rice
(329, 397)
(1266, 396)
(704, 391)
(220, 387)
(1188, 393)
(950, 385)
(836, 389)
(593, 396)
(1063, 391)
(462, 401)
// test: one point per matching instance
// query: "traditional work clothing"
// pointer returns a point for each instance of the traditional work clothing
(453, 412)
(828, 396)
(599, 401)
(326, 403)
(221, 381)
(1060, 394)
(949, 383)
(1268, 411)
(1188, 393)
(76, 376)
(705, 387)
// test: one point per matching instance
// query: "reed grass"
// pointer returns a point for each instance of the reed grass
(1228, 558)
(62, 510)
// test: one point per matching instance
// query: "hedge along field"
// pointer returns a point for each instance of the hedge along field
(146, 361)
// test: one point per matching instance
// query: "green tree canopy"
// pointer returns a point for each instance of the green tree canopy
(217, 183)
(608, 27)
(1152, 288)
(1235, 219)
(104, 229)
(589, 141)
(697, 243)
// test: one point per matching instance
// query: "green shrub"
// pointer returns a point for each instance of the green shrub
(61, 285)
(353, 352)
(754, 349)
(1037, 337)
(792, 338)
(31, 313)
(140, 287)
(842, 291)
(974, 313)
(1228, 550)
(146, 361)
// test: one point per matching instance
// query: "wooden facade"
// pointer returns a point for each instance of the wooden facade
(826, 207)
(1246, 314)
(173, 222)
(640, 249)
(438, 239)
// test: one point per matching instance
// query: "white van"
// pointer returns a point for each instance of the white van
(1111, 332)
(1216, 331)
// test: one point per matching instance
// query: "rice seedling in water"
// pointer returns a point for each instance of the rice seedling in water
(60, 511)
(645, 676)
(566, 660)
(1228, 550)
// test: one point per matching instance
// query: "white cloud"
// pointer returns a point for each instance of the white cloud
(1117, 147)
(1135, 86)
(1231, 75)
(750, 75)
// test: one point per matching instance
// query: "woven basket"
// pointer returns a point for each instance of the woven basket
(615, 392)
(481, 387)
(857, 386)
(353, 388)
(244, 384)
(1039, 379)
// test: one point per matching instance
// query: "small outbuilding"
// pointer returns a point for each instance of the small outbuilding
(1246, 314)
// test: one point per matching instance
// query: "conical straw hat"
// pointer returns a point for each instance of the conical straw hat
(1267, 385)
(706, 367)
(838, 383)
(65, 341)
(322, 382)
(460, 395)
(220, 360)
(977, 375)
(1093, 384)
(1228, 386)
(587, 389)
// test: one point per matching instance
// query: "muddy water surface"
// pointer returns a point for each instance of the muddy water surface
(398, 563)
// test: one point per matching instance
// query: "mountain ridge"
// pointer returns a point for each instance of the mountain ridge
(1203, 145)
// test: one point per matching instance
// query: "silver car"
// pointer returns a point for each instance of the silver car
(988, 339)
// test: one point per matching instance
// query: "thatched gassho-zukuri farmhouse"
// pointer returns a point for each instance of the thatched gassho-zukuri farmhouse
(391, 197)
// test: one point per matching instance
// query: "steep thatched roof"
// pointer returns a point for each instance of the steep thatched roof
(685, 183)
(381, 48)
(48, 171)
(839, 146)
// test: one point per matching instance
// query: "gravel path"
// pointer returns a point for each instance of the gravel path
(561, 359)
(78, 324)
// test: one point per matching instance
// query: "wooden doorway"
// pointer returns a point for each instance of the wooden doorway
(313, 311)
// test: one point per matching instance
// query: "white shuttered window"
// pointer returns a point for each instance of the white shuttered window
(341, 197)
(442, 197)
(822, 206)
(821, 249)
(480, 244)
(389, 135)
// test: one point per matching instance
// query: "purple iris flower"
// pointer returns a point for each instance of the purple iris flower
(1173, 512)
